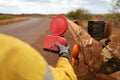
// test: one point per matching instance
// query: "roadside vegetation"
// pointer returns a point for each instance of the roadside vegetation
(6, 16)
(9, 18)
(114, 15)
(79, 14)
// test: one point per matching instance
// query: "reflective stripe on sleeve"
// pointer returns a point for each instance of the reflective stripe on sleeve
(48, 75)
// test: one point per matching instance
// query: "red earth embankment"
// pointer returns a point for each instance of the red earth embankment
(88, 64)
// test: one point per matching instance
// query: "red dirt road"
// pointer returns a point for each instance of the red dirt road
(28, 30)
(32, 31)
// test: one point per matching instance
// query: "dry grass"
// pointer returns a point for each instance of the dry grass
(116, 31)
(7, 21)
(7, 16)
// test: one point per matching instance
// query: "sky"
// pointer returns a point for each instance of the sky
(53, 6)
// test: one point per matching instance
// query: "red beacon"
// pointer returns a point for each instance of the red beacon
(58, 27)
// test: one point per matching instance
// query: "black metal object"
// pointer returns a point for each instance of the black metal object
(96, 29)
(107, 41)
(111, 66)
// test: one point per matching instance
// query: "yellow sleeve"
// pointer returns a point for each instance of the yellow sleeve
(64, 70)
(19, 61)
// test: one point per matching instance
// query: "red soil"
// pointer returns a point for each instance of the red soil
(85, 70)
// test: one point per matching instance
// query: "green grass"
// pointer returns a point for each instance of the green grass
(4, 17)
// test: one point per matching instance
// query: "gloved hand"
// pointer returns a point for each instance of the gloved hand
(64, 50)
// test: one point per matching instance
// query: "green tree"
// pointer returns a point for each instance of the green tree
(116, 6)
(114, 17)
(116, 9)
(79, 14)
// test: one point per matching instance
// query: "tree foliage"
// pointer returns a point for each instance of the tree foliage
(79, 14)
(114, 15)
(116, 9)
(116, 6)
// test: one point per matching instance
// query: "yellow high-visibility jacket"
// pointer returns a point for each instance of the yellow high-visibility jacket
(19, 61)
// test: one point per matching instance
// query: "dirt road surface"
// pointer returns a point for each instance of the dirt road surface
(32, 31)
(28, 30)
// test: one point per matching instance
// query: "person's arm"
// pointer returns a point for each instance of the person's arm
(63, 70)
(19, 61)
